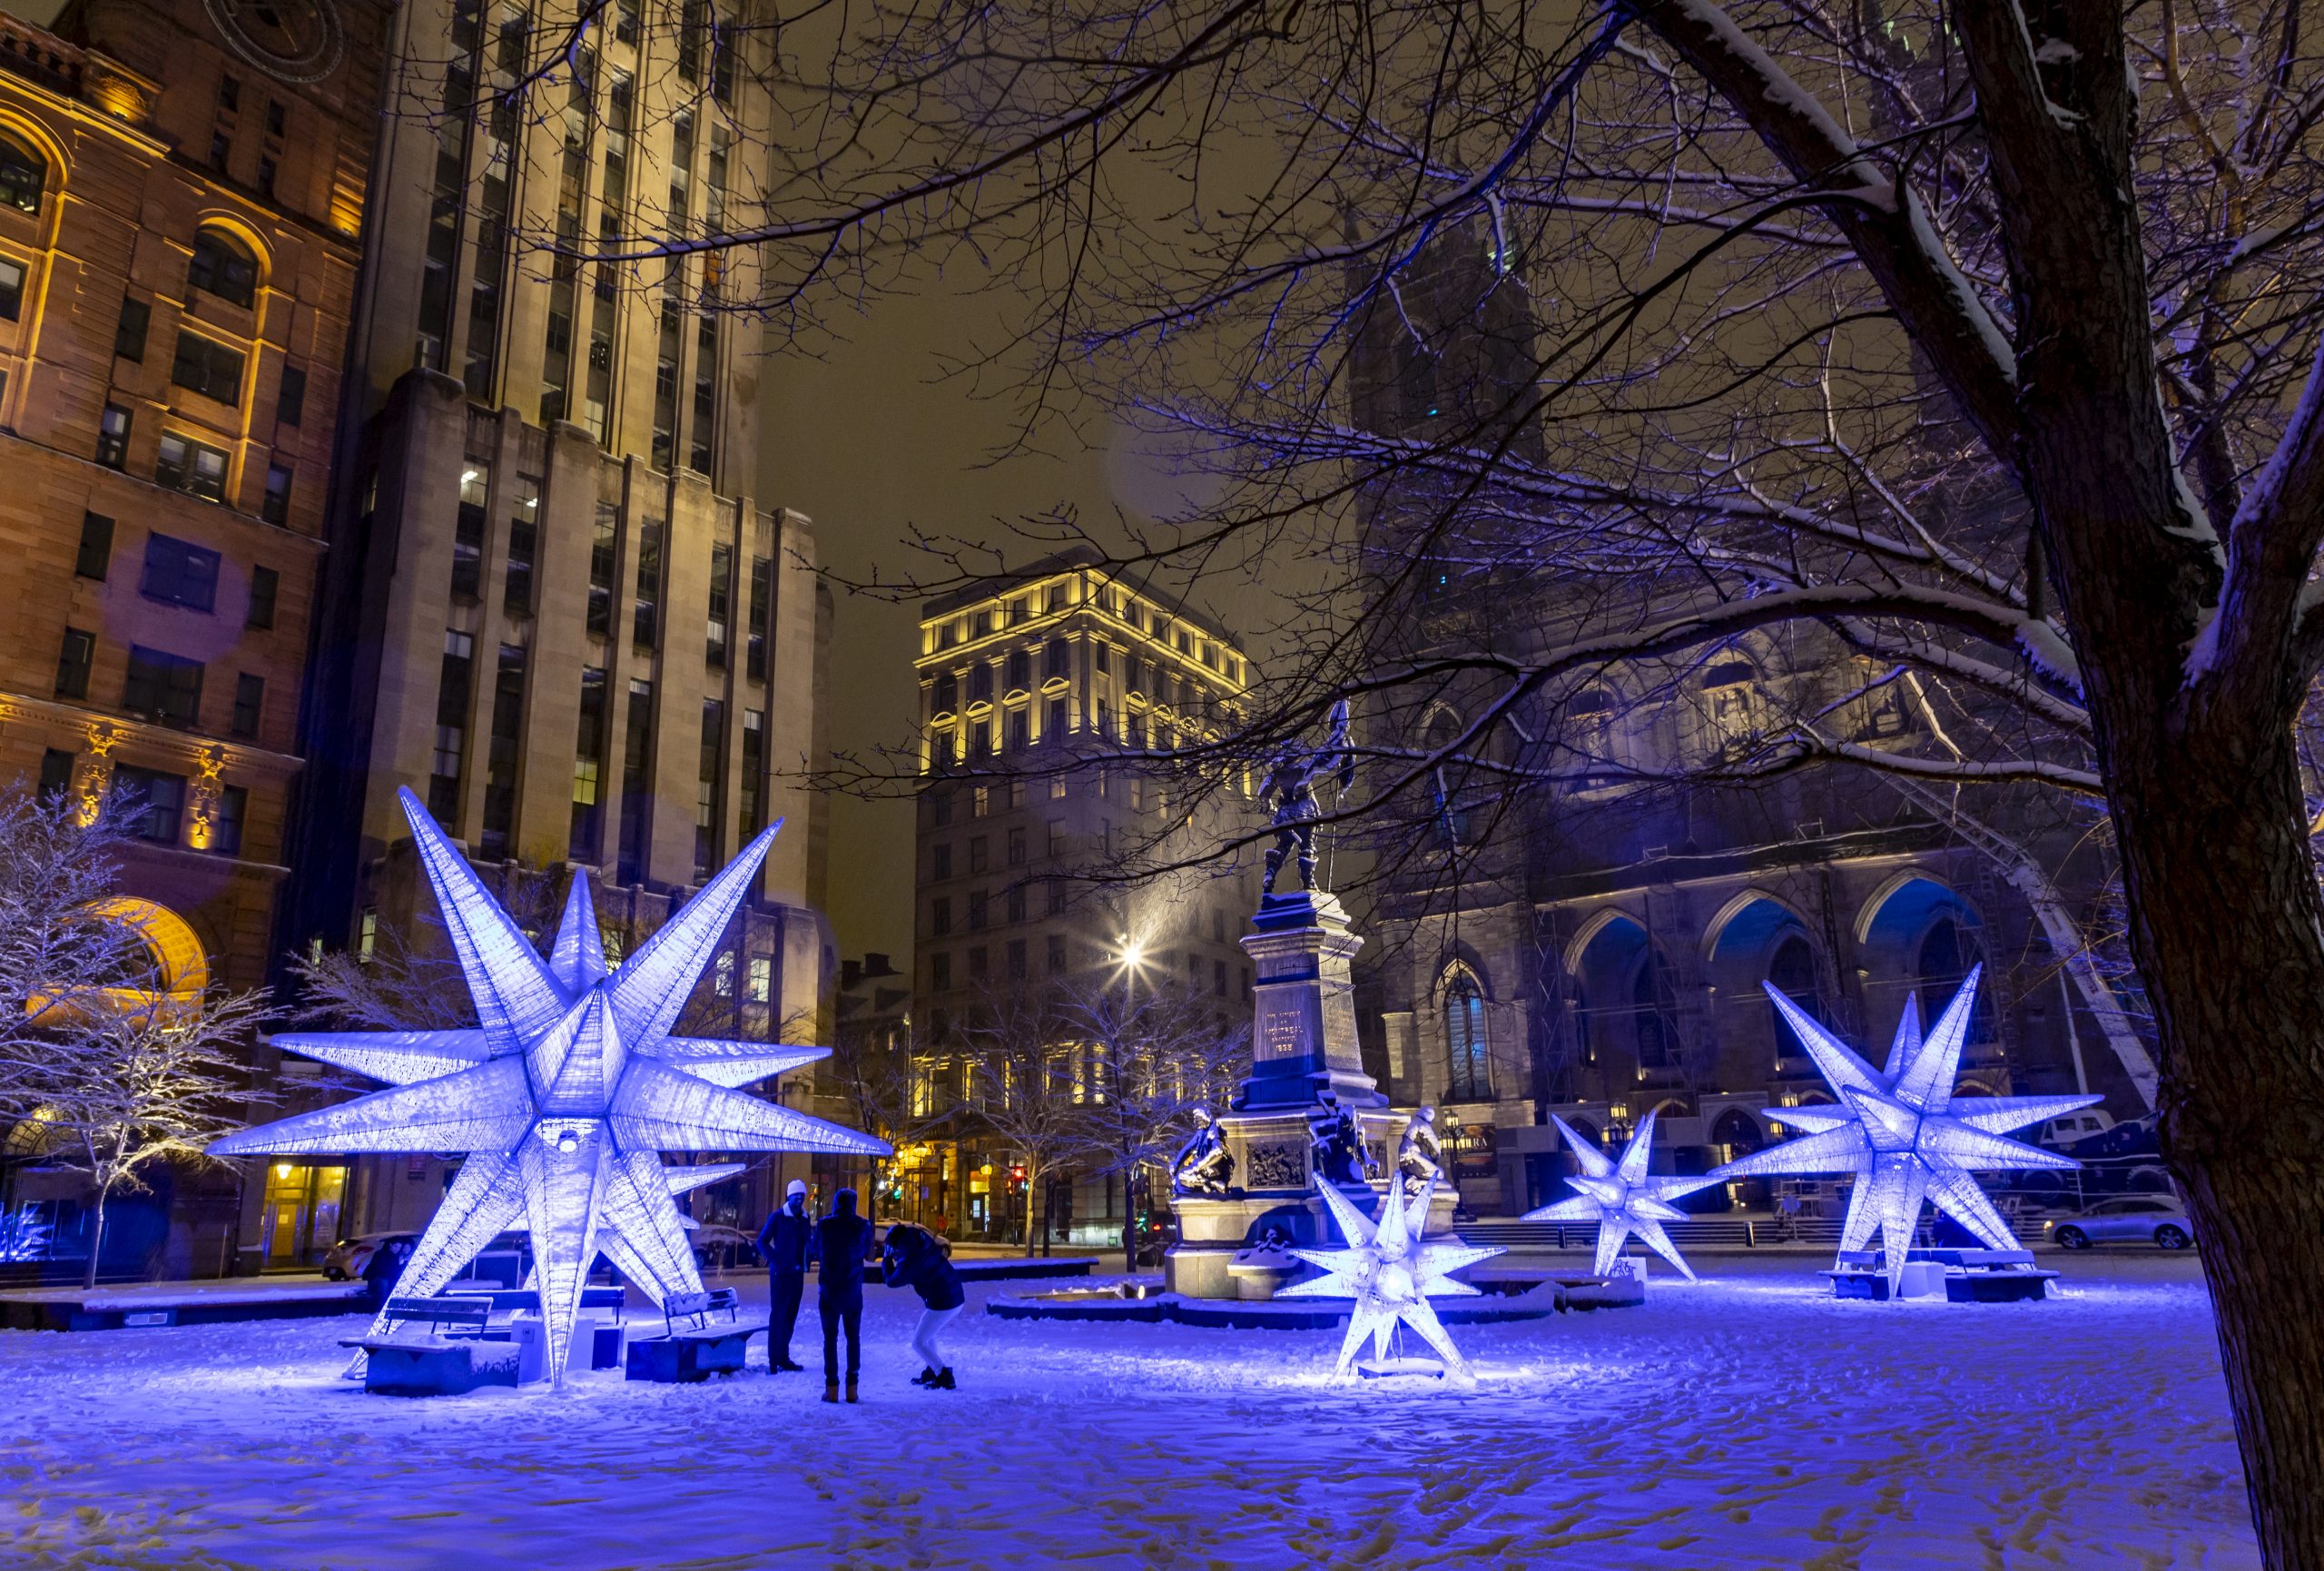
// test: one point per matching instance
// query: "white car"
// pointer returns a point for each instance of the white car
(2157, 1219)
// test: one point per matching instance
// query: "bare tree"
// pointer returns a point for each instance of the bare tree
(1031, 1081)
(146, 1083)
(1157, 1054)
(1979, 340)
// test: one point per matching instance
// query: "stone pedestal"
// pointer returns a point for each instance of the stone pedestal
(1303, 1045)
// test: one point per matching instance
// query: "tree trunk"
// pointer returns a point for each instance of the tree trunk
(96, 1241)
(1032, 1188)
(1129, 1219)
(2225, 921)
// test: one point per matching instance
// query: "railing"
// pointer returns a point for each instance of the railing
(46, 59)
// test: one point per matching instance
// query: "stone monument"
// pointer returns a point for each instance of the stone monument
(1244, 1194)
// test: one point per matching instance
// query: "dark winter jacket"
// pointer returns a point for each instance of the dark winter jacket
(787, 1242)
(844, 1242)
(915, 1260)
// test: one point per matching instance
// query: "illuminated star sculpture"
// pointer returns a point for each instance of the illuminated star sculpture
(1621, 1199)
(1390, 1272)
(563, 1095)
(1904, 1134)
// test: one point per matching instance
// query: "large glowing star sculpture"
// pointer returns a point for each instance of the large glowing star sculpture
(1904, 1134)
(1620, 1197)
(564, 1094)
(1390, 1272)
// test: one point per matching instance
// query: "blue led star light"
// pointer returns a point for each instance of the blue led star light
(1391, 1272)
(1618, 1196)
(1904, 1134)
(564, 1095)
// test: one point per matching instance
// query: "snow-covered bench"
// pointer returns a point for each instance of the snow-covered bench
(447, 1358)
(1971, 1276)
(694, 1343)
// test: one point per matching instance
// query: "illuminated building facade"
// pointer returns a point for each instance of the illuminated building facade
(180, 197)
(1039, 693)
(553, 607)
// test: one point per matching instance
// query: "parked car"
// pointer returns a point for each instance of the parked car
(2157, 1219)
(504, 1260)
(719, 1247)
(1154, 1232)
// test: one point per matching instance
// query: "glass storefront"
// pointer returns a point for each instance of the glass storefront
(299, 1220)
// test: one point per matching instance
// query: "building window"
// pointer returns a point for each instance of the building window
(636, 771)
(603, 550)
(468, 531)
(1469, 1076)
(1219, 978)
(249, 701)
(980, 910)
(226, 828)
(939, 972)
(1017, 903)
(73, 658)
(180, 573)
(22, 177)
(754, 772)
(1017, 960)
(191, 466)
(222, 266)
(161, 795)
(980, 853)
(452, 688)
(1056, 954)
(129, 333)
(722, 602)
(585, 840)
(55, 773)
(274, 508)
(162, 687)
(207, 367)
(524, 543)
(1791, 969)
(290, 403)
(96, 555)
(940, 916)
(710, 787)
(761, 594)
(940, 862)
(646, 616)
(12, 289)
(980, 961)
(263, 582)
(1017, 847)
(1057, 896)
(761, 980)
(112, 438)
(500, 752)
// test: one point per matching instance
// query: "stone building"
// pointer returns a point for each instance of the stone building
(1595, 947)
(555, 606)
(1038, 694)
(181, 191)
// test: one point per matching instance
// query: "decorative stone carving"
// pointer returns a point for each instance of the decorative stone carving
(1278, 1165)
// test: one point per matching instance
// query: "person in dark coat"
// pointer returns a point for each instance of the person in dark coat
(915, 1259)
(844, 1242)
(787, 1244)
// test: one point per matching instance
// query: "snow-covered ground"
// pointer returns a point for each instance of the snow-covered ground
(1748, 1421)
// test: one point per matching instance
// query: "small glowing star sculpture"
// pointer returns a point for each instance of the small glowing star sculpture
(1390, 1272)
(1904, 1134)
(1621, 1198)
(564, 1095)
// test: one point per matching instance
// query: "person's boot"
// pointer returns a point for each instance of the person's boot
(927, 1376)
(943, 1381)
(851, 1388)
(831, 1390)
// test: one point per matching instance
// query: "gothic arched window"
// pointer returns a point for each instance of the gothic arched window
(1792, 969)
(1468, 1071)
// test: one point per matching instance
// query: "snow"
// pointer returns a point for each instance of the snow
(1748, 1421)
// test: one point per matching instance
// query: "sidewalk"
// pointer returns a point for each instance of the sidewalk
(119, 1304)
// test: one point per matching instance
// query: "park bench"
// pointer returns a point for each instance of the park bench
(695, 1342)
(1971, 1276)
(450, 1357)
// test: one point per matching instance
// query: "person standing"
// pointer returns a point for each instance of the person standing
(844, 1242)
(787, 1244)
(915, 1259)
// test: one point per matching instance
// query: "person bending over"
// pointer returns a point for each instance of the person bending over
(915, 1259)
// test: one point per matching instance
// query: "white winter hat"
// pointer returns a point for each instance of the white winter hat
(798, 1187)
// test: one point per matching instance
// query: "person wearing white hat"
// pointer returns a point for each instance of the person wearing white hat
(786, 1243)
